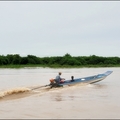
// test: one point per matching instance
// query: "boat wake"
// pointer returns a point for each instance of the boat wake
(10, 93)
(21, 92)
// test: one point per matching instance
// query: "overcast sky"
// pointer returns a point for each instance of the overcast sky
(54, 28)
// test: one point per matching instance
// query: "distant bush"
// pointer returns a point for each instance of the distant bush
(66, 60)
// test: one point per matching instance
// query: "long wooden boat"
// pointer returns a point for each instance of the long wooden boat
(88, 80)
(83, 80)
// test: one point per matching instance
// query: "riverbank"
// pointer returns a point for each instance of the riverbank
(57, 66)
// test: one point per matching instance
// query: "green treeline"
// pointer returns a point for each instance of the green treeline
(59, 61)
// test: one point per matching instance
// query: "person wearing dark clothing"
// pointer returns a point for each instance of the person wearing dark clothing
(72, 78)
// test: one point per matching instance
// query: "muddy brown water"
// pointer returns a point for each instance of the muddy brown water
(99, 100)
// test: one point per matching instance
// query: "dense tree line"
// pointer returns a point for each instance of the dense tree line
(67, 59)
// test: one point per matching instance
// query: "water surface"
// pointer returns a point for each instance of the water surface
(99, 100)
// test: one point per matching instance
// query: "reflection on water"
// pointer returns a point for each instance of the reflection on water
(58, 97)
(71, 97)
(99, 86)
(78, 92)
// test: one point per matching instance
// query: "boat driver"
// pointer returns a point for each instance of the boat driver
(55, 82)
(58, 79)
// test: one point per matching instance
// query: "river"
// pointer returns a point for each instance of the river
(94, 101)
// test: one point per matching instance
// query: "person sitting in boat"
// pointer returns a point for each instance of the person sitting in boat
(72, 78)
(58, 79)
(55, 82)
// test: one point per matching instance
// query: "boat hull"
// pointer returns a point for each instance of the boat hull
(87, 80)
